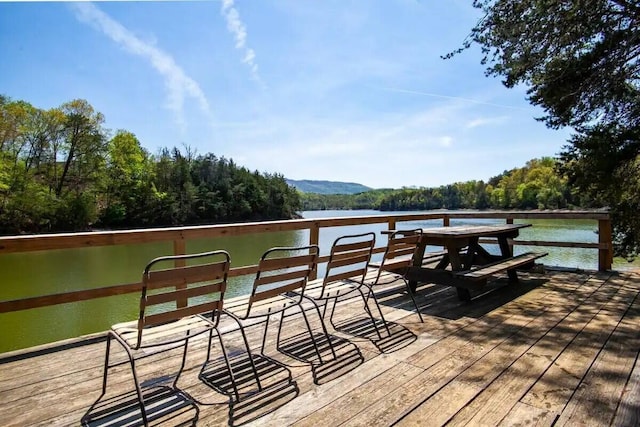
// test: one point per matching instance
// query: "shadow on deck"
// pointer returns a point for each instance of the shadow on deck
(556, 349)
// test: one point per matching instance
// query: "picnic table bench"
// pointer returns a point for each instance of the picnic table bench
(464, 263)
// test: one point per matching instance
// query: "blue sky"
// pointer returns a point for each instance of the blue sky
(336, 89)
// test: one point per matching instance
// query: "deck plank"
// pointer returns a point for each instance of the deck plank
(498, 398)
(560, 348)
(595, 400)
(526, 415)
(474, 377)
(362, 399)
(554, 388)
(445, 360)
(328, 393)
(628, 411)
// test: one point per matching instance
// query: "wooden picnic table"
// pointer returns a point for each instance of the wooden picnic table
(465, 264)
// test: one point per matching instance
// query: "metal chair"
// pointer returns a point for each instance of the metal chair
(345, 272)
(177, 304)
(279, 285)
(398, 258)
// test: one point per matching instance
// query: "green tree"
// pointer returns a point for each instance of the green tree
(83, 148)
(59, 171)
(26, 204)
(580, 62)
(128, 192)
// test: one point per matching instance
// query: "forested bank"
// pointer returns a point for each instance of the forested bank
(62, 170)
(537, 185)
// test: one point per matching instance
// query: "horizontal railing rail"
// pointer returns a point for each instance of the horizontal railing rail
(180, 235)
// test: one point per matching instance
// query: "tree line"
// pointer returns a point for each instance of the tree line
(62, 170)
(537, 185)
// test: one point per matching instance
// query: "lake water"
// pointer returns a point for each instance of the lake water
(49, 272)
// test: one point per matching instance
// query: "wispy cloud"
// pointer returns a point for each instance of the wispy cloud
(483, 121)
(179, 85)
(437, 95)
(239, 31)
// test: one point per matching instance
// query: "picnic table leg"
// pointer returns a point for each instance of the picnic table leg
(457, 265)
(507, 252)
(417, 263)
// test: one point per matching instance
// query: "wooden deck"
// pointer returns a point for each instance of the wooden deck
(557, 349)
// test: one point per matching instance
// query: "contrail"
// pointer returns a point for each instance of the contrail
(239, 31)
(178, 84)
(435, 95)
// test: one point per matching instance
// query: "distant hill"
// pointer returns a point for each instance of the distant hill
(327, 187)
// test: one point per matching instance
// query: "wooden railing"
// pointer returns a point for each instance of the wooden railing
(179, 236)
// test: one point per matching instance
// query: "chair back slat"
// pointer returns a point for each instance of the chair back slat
(182, 294)
(189, 274)
(401, 248)
(200, 287)
(353, 274)
(281, 270)
(340, 247)
(350, 255)
(281, 277)
(177, 314)
(396, 251)
(270, 293)
(350, 259)
(286, 262)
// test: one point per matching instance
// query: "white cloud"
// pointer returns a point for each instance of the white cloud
(433, 143)
(458, 98)
(179, 85)
(445, 141)
(388, 150)
(483, 121)
(239, 31)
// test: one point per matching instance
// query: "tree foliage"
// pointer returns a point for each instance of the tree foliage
(537, 185)
(580, 62)
(61, 170)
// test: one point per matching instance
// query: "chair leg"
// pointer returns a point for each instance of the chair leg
(184, 360)
(264, 335)
(415, 304)
(136, 382)
(324, 328)
(280, 329)
(226, 359)
(132, 362)
(86, 417)
(333, 310)
(106, 366)
(375, 300)
(253, 363)
(209, 347)
(366, 309)
(246, 344)
(366, 303)
(315, 345)
(324, 308)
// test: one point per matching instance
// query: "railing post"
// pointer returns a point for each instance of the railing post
(314, 239)
(392, 223)
(445, 220)
(605, 254)
(180, 248)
